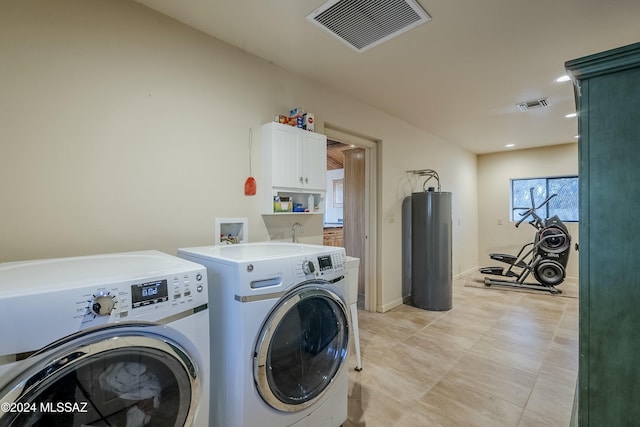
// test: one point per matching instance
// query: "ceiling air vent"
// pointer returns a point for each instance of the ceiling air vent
(363, 24)
(536, 103)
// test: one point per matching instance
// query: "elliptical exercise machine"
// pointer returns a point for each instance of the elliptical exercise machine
(546, 257)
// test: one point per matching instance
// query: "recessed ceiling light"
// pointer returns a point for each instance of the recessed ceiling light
(568, 116)
(564, 78)
(510, 145)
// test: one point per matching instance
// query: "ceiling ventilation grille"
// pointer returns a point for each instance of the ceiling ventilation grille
(363, 24)
(536, 103)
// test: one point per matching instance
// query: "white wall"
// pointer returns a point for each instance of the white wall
(123, 130)
(494, 174)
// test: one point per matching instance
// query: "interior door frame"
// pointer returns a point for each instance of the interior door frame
(371, 262)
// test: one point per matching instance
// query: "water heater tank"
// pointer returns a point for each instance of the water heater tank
(431, 250)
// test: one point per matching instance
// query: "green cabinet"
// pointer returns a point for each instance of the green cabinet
(607, 88)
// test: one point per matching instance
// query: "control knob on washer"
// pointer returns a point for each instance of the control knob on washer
(308, 267)
(102, 303)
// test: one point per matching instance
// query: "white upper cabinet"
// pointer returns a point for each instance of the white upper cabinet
(294, 158)
(314, 161)
(294, 168)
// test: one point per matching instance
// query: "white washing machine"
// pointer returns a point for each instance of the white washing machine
(280, 333)
(104, 340)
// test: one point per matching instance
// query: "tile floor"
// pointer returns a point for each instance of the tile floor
(498, 358)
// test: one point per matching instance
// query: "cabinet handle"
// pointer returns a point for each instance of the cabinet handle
(306, 180)
(300, 180)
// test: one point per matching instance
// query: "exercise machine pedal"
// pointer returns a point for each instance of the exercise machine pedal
(508, 259)
(498, 271)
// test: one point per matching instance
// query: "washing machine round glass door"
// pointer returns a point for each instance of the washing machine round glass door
(119, 375)
(302, 347)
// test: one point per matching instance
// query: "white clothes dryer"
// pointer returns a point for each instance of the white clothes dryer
(104, 340)
(280, 333)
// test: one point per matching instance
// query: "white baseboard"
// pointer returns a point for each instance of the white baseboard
(466, 273)
(389, 306)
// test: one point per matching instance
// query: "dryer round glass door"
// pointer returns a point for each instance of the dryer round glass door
(302, 346)
(118, 376)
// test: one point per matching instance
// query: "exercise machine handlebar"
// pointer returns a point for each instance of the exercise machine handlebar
(537, 221)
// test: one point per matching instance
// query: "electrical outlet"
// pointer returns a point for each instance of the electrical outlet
(392, 218)
(499, 221)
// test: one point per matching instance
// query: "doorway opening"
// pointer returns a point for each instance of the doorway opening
(350, 211)
(333, 222)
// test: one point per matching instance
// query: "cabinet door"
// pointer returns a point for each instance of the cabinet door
(285, 154)
(609, 321)
(608, 102)
(314, 161)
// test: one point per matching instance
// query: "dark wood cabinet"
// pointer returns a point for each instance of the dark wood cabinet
(607, 87)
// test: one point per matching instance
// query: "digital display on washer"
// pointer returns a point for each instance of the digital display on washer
(325, 262)
(149, 293)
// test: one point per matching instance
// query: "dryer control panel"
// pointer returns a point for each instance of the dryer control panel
(154, 292)
(326, 266)
(325, 262)
(150, 299)
(50, 299)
